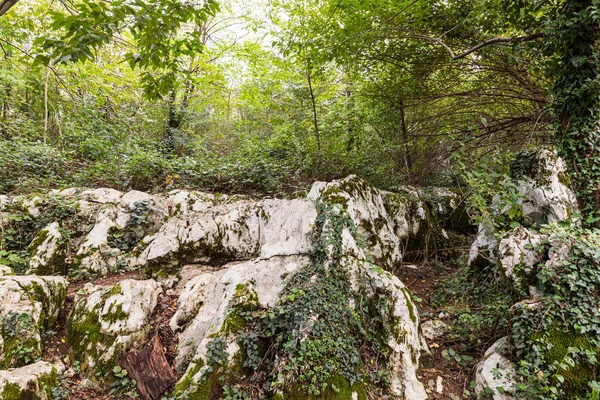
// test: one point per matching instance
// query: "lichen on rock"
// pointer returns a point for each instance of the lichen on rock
(34, 382)
(28, 304)
(107, 319)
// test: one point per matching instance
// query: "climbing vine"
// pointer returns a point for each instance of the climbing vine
(572, 45)
(556, 335)
(316, 342)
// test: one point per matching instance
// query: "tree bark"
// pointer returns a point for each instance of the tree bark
(314, 111)
(6, 5)
(150, 369)
(407, 156)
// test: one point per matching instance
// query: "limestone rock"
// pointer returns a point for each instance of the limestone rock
(495, 370)
(484, 248)
(545, 198)
(107, 319)
(433, 329)
(118, 229)
(209, 305)
(33, 381)
(210, 298)
(544, 186)
(47, 252)
(406, 343)
(519, 253)
(27, 304)
(390, 223)
(6, 270)
(232, 232)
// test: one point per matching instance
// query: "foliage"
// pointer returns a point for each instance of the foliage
(556, 335)
(572, 47)
(156, 30)
(477, 308)
(123, 385)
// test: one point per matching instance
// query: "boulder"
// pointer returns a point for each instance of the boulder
(107, 319)
(545, 197)
(497, 371)
(231, 232)
(544, 187)
(519, 253)
(47, 252)
(34, 381)
(6, 270)
(212, 306)
(28, 304)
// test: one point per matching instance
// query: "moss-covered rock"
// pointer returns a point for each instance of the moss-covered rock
(105, 320)
(47, 252)
(338, 388)
(28, 304)
(32, 382)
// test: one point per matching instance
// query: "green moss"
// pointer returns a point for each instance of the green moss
(409, 305)
(37, 242)
(12, 391)
(564, 179)
(88, 343)
(338, 388)
(118, 314)
(187, 380)
(576, 377)
(211, 385)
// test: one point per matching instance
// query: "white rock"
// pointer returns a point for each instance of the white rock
(47, 253)
(237, 231)
(31, 303)
(206, 300)
(495, 370)
(101, 195)
(383, 218)
(120, 313)
(407, 343)
(4, 201)
(6, 270)
(484, 247)
(433, 328)
(32, 380)
(519, 248)
(546, 198)
(183, 202)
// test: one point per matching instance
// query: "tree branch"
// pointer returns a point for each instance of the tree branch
(5, 5)
(481, 45)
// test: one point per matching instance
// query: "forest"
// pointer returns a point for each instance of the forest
(423, 176)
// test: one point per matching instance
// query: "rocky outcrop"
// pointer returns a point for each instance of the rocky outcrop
(544, 197)
(107, 319)
(28, 304)
(243, 259)
(544, 187)
(47, 252)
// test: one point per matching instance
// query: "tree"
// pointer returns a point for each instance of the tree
(157, 34)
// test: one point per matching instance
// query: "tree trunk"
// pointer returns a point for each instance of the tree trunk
(149, 368)
(315, 122)
(46, 107)
(407, 156)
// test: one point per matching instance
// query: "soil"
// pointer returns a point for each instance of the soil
(423, 280)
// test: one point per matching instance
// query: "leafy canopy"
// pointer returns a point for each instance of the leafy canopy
(157, 35)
